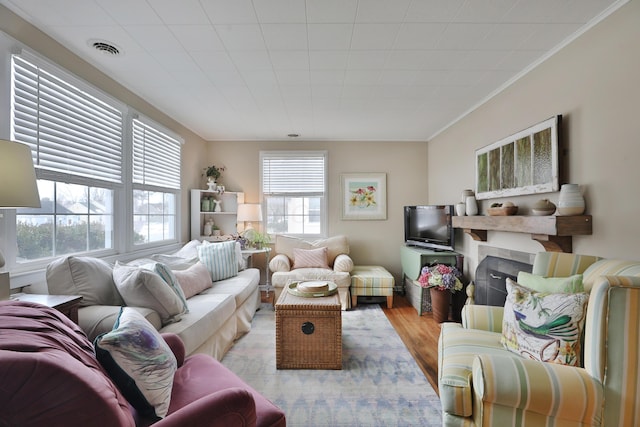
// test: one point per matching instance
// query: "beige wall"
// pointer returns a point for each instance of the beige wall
(594, 82)
(371, 242)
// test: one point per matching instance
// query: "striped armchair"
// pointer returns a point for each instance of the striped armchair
(483, 384)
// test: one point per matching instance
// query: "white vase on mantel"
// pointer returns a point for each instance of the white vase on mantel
(571, 201)
(471, 206)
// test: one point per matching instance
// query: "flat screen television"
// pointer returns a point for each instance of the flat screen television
(429, 226)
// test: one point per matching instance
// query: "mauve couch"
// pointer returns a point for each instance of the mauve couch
(49, 376)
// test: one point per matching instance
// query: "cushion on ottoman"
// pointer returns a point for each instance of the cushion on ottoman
(372, 280)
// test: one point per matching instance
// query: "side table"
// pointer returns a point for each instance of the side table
(65, 304)
(247, 254)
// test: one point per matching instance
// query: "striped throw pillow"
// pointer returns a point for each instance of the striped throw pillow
(220, 259)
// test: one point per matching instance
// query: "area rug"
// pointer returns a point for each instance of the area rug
(380, 384)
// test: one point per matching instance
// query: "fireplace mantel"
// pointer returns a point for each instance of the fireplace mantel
(553, 232)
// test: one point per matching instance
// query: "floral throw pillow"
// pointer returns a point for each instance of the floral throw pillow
(544, 326)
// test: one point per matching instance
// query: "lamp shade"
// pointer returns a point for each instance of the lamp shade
(18, 187)
(248, 212)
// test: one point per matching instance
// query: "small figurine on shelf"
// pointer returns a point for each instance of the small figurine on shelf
(218, 205)
(208, 227)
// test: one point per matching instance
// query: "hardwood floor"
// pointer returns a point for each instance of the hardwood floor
(419, 334)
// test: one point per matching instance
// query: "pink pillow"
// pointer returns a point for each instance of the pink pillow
(194, 279)
(310, 258)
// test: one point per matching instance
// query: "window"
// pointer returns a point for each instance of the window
(91, 158)
(156, 165)
(293, 192)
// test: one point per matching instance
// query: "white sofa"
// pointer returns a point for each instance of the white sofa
(216, 316)
(328, 259)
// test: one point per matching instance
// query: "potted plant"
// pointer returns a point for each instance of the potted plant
(258, 240)
(212, 173)
(442, 280)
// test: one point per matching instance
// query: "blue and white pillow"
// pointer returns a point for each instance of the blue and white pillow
(139, 362)
(220, 259)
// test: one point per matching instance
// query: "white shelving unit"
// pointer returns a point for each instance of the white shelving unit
(226, 219)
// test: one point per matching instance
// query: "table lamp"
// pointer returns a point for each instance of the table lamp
(249, 212)
(18, 186)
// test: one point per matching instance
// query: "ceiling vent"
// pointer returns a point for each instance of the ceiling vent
(105, 47)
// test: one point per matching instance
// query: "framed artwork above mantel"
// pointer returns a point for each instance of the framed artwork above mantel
(523, 163)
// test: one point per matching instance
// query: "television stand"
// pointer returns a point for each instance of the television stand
(413, 258)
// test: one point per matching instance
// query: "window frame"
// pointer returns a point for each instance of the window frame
(122, 191)
(324, 208)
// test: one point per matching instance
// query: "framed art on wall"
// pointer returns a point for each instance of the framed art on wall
(523, 163)
(364, 196)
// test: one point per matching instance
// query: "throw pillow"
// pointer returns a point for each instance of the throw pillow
(194, 279)
(543, 326)
(170, 279)
(220, 259)
(310, 258)
(190, 250)
(139, 362)
(86, 276)
(140, 287)
(571, 284)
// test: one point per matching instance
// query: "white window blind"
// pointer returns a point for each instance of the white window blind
(68, 129)
(293, 173)
(156, 157)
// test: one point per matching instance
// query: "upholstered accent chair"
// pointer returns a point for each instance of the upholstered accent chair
(297, 259)
(483, 384)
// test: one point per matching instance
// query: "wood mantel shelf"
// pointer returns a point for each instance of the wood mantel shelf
(554, 233)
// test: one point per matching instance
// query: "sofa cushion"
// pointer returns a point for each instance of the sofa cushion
(310, 258)
(219, 258)
(140, 287)
(208, 314)
(240, 287)
(194, 279)
(89, 277)
(571, 284)
(543, 326)
(140, 363)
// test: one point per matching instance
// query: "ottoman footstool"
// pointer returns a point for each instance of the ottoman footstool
(371, 280)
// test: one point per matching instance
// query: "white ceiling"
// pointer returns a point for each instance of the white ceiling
(336, 70)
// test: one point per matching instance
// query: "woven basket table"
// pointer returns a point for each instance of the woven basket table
(308, 332)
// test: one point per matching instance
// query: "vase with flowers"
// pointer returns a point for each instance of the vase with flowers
(442, 280)
(213, 173)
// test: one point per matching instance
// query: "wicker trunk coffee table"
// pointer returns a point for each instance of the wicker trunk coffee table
(308, 332)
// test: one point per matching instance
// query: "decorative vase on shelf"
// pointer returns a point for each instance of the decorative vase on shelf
(471, 205)
(465, 194)
(440, 303)
(218, 205)
(461, 209)
(205, 205)
(571, 201)
(211, 182)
